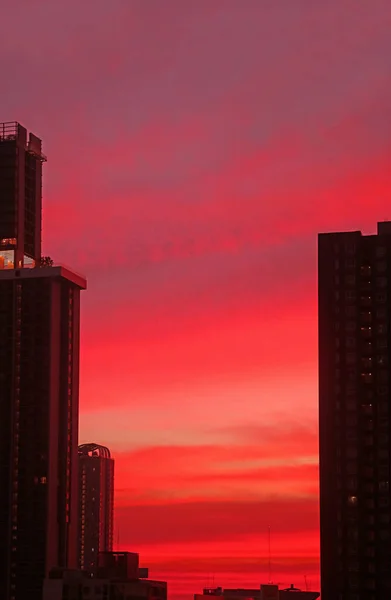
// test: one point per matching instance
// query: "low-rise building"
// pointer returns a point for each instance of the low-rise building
(119, 577)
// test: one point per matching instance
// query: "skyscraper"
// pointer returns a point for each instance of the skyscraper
(354, 414)
(39, 383)
(21, 161)
(96, 504)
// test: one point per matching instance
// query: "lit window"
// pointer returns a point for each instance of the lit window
(352, 500)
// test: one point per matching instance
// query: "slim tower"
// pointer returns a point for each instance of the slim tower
(39, 383)
(354, 414)
(96, 504)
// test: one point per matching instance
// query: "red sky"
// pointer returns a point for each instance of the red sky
(195, 150)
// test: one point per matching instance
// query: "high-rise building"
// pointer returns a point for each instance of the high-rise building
(96, 504)
(21, 161)
(354, 414)
(39, 384)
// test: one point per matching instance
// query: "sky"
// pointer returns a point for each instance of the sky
(195, 149)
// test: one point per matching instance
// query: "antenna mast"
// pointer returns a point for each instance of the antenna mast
(270, 557)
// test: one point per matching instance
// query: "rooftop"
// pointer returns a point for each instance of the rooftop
(12, 130)
(59, 270)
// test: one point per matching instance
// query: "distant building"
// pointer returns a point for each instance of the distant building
(39, 383)
(118, 578)
(354, 414)
(264, 592)
(96, 504)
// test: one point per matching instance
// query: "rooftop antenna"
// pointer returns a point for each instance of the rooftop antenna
(270, 557)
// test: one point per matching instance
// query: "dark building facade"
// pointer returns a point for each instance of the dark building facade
(96, 504)
(21, 161)
(354, 289)
(39, 388)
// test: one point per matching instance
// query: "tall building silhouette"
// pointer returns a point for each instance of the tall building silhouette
(39, 383)
(354, 414)
(96, 504)
(21, 161)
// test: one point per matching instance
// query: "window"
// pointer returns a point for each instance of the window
(368, 471)
(350, 280)
(350, 263)
(382, 360)
(350, 326)
(350, 295)
(381, 251)
(351, 468)
(370, 584)
(384, 486)
(367, 377)
(383, 502)
(383, 454)
(351, 452)
(381, 282)
(366, 300)
(351, 311)
(366, 317)
(382, 390)
(366, 332)
(353, 534)
(381, 298)
(383, 376)
(381, 266)
(351, 435)
(366, 362)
